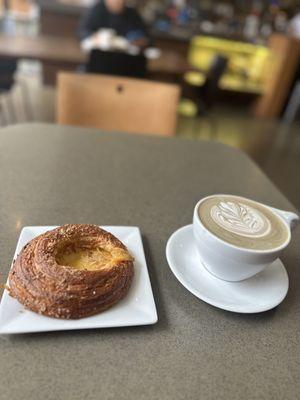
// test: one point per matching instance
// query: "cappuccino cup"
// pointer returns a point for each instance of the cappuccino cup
(236, 238)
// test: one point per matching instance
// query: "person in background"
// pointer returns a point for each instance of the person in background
(116, 15)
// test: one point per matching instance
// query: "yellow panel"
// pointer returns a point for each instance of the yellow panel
(235, 83)
(248, 64)
(195, 78)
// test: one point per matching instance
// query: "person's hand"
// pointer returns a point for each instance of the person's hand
(103, 39)
(93, 39)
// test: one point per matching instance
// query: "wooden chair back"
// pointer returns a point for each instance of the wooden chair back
(117, 104)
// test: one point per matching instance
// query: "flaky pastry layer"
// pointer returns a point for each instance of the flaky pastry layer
(99, 275)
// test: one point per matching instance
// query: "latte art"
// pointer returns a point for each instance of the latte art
(243, 222)
(241, 219)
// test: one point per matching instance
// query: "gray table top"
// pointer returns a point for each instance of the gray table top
(53, 175)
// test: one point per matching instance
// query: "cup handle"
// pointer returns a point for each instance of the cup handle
(290, 218)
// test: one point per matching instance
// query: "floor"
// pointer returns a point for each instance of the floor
(272, 145)
(275, 147)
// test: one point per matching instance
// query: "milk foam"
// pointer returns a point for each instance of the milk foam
(240, 219)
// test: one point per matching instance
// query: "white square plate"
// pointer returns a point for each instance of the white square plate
(137, 308)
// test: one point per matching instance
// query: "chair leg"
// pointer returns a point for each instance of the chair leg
(5, 111)
(11, 109)
(194, 128)
(213, 127)
(212, 124)
(28, 109)
(293, 105)
(2, 112)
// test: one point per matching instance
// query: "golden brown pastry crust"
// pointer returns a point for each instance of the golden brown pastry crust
(45, 287)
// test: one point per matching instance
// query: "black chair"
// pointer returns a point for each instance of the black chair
(208, 93)
(117, 64)
(8, 69)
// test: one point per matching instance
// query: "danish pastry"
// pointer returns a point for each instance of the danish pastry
(71, 272)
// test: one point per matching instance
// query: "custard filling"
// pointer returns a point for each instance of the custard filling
(92, 260)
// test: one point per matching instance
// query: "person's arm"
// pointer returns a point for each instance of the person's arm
(90, 22)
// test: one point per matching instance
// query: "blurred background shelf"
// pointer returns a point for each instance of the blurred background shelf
(250, 53)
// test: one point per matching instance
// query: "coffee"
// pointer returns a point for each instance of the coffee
(243, 223)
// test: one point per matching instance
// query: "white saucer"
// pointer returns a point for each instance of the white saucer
(260, 293)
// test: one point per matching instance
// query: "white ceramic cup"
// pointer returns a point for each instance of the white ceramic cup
(231, 263)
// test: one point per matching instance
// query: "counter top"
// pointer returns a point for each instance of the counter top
(52, 175)
(72, 7)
